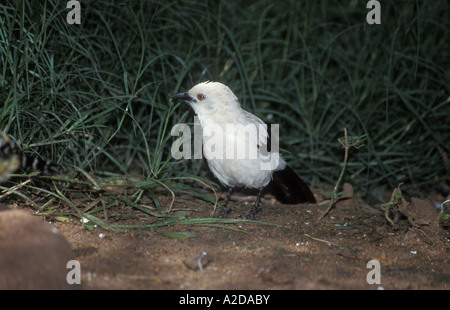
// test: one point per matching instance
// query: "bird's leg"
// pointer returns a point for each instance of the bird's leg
(223, 210)
(255, 209)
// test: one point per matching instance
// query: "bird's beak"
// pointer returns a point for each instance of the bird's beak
(183, 96)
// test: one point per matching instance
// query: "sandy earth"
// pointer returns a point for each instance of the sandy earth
(287, 249)
(294, 252)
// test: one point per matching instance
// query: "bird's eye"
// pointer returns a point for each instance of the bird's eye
(201, 97)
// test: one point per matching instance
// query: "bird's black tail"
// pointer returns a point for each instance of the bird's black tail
(289, 188)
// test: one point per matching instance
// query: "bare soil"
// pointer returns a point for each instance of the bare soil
(289, 250)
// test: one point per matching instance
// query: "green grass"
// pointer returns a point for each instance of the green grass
(93, 97)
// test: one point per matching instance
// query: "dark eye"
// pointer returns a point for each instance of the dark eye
(200, 96)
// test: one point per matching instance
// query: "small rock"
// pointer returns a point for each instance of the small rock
(198, 262)
(33, 254)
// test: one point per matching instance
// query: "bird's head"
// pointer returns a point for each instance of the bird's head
(209, 98)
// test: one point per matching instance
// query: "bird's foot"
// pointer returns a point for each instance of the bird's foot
(254, 211)
(223, 213)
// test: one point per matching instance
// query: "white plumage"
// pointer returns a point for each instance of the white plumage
(234, 140)
(222, 118)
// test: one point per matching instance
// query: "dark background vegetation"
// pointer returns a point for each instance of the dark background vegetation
(93, 97)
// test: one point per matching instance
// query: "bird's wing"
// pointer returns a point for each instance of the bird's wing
(268, 143)
(266, 138)
(262, 130)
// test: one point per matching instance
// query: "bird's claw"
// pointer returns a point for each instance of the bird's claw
(251, 214)
(223, 213)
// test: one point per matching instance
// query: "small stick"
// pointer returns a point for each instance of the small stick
(347, 145)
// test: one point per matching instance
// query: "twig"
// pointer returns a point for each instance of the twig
(352, 142)
(321, 240)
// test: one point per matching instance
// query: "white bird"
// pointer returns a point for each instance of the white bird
(235, 146)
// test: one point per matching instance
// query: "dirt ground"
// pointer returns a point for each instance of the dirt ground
(286, 248)
(290, 250)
